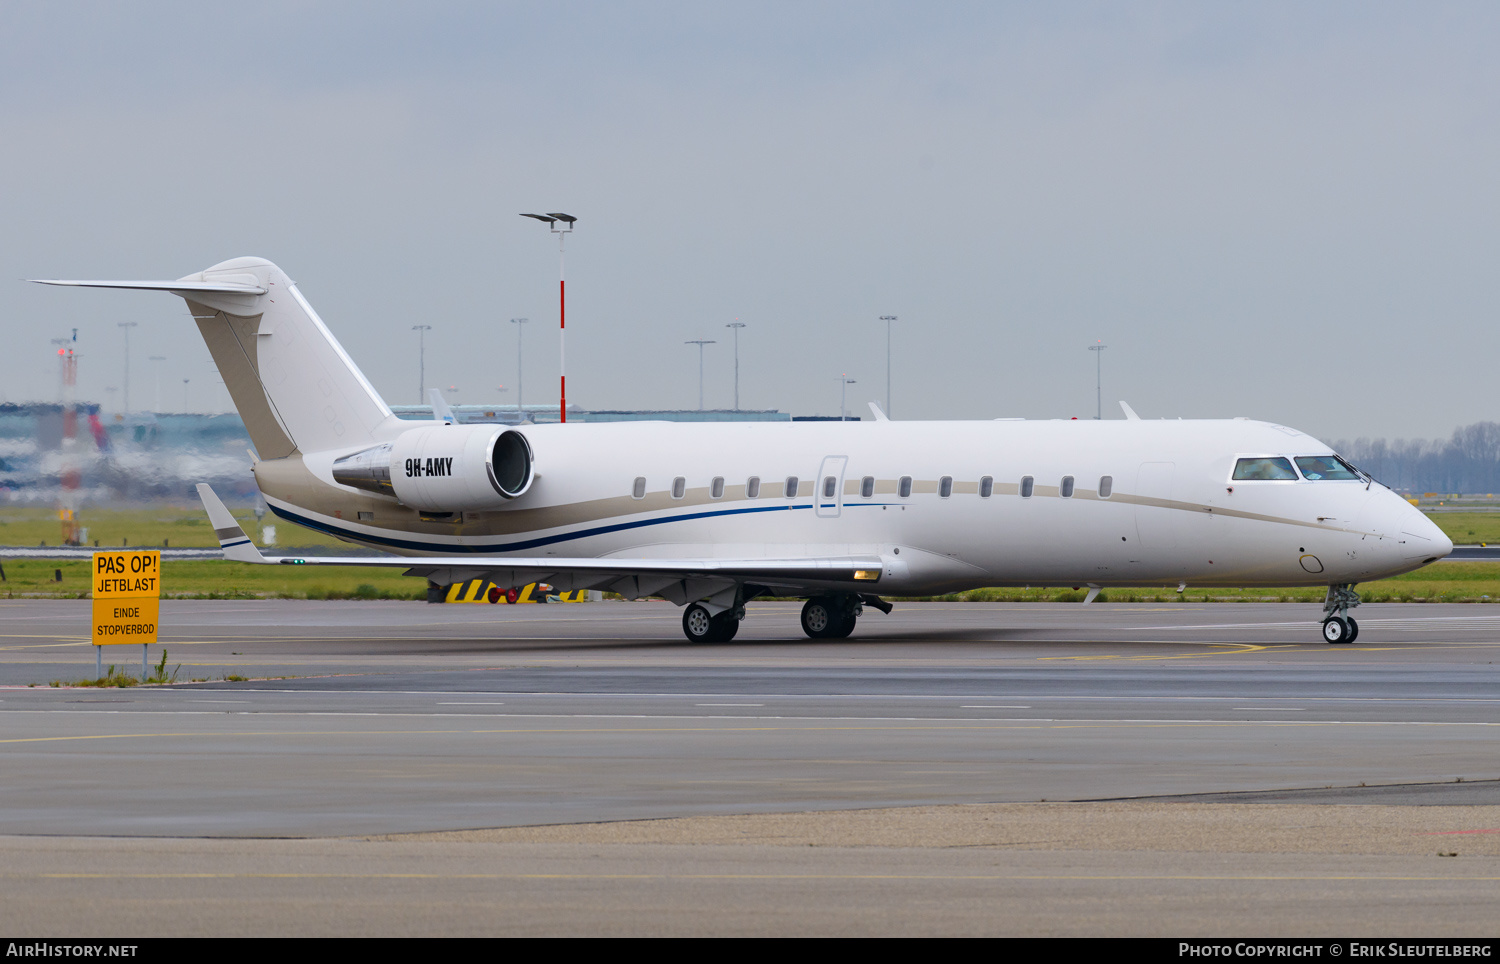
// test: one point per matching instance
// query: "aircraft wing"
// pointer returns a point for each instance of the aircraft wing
(679, 580)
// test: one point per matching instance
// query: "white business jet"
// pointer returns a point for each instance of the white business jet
(710, 516)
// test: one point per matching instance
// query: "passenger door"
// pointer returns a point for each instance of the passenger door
(828, 499)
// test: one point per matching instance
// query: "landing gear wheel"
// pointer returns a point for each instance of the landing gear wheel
(1353, 629)
(698, 624)
(824, 618)
(725, 626)
(818, 617)
(1337, 630)
(700, 627)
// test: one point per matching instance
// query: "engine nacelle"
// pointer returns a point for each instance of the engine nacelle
(444, 468)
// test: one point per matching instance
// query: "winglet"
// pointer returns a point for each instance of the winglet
(232, 539)
(879, 415)
(1129, 412)
(440, 410)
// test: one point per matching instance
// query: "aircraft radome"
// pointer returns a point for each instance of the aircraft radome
(711, 515)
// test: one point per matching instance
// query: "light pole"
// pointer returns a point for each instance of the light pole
(844, 382)
(700, 343)
(736, 325)
(887, 319)
(1098, 350)
(127, 325)
(421, 331)
(552, 219)
(520, 324)
(157, 368)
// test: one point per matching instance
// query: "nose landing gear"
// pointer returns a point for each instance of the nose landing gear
(1339, 626)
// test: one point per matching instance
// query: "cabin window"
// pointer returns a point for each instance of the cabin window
(1264, 470)
(752, 487)
(1317, 468)
(945, 486)
(1027, 484)
(638, 491)
(1106, 485)
(830, 486)
(679, 487)
(867, 486)
(791, 487)
(1066, 489)
(904, 487)
(716, 490)
(986, 487)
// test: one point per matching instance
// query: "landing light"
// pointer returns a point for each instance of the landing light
(866, 574)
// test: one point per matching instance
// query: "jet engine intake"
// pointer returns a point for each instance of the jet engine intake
(444, 468)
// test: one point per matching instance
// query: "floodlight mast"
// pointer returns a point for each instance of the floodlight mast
(520, 385)
(1098, 349)
(700, 342)
(552, 219)
(844, 382)
(421, 331)
(125, 326)
(888, 319)
(736, 326)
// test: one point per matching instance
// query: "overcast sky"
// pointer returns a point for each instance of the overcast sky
(1285, 211)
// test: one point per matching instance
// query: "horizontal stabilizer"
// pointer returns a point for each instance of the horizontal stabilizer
(227, 287)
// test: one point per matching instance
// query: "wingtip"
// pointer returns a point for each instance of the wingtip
(232, 539)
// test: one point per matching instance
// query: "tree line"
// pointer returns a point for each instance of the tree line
(1467, 462)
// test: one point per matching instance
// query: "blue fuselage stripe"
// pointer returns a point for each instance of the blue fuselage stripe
(526, 543)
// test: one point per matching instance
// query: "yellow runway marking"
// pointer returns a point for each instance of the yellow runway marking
(1226, 649)
(920, 877)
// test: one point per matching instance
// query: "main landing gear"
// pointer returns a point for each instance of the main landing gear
(823, 617)
(1339, 626)
(701, 627)
(830, 617)
(833, 616)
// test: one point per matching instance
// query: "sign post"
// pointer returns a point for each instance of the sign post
(127, 602)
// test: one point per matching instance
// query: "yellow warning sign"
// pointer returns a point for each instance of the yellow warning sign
(127, 590)
(125, 619)
(127, 573)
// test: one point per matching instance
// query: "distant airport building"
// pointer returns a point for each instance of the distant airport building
(540, 414)
(147, 456)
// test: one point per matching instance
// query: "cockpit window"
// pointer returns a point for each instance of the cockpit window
(1316, 468)
(1264, 470)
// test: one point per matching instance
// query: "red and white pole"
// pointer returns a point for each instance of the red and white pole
(566, 220)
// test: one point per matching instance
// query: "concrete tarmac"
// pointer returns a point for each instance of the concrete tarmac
(440, 733)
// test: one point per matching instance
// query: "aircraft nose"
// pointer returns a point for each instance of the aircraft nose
(1423, 539)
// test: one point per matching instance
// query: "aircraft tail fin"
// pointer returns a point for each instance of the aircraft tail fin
(293, 384)
(232, 539)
